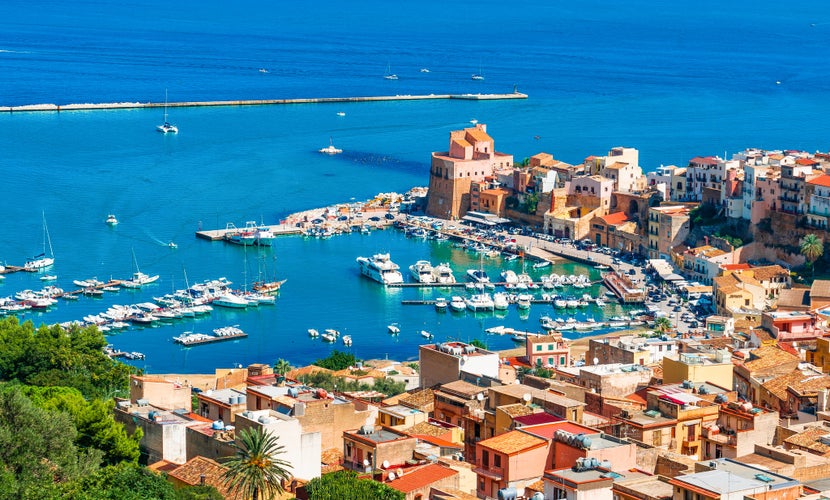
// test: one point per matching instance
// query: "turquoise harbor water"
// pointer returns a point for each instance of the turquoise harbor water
(690, 79)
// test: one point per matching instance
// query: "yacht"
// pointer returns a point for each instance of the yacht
(480, 302)
(442, 273)
(560, 303)
(421, 272)
(347, 340)
(231, 300)
(477, 276)
(167, 127)
(380, 268)
(457, 303)
(139, 279)
(111, 220)
(509, 278)
(389, 75)
(313, 333)
(523, 301)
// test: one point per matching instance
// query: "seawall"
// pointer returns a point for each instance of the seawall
(255, 102)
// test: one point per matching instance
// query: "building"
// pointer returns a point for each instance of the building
(668, 226)
(579, 483)
(511, 460)
(222, 404)
(159, 392)
(418, 483)
(555, 404)
(791, 326)
(471, 158)
(302, 450)
(729, 479)
(818, 206)
(164, 431)
(400, 417)
(630, 349)
(444, 363)
(796, 393)
(549, 351)
(200, 471)
(737, 431)
(373, 447)
(698, 368)
(462, 403)
(761, 365)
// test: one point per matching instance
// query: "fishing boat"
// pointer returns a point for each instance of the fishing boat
(167, 127)
(111, 220)
(41, 262)
(244, 237)
(330, 149)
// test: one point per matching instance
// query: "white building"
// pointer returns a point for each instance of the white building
(301, 449)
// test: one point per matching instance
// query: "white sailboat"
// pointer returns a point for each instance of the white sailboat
(389, 75)
(167, 127)
(41, 262)
(480, 74)
(138, 278)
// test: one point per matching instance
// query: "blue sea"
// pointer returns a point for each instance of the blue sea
(674, 81)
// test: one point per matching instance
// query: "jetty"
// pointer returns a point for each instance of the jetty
(278, 230)
(256, 102)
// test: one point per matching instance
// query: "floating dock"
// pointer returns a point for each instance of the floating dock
(256, 102)
(209, 339)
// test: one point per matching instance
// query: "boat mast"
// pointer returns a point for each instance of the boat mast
(46, 238)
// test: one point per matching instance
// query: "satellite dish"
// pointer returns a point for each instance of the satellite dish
(480, 396)
(526, 397)
(391, 476)
(596, 361)
(365, 463)
(385, 464)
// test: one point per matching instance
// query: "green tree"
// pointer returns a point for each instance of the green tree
(346, 484)
(811, 247)
(125, 481)
(255, 468)
(388, 386)
(337, 360)
(662, 324)
(478, 343)
(199, 493)
(281, 367)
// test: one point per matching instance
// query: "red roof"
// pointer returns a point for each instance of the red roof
(420, 478)
(536, 419)
(806, 161)
(443, 443)
(736, 267)
(821, 180)
(615, 218)
(546, 431)
(704, 160)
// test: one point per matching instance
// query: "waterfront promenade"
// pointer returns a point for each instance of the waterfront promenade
(257, 102)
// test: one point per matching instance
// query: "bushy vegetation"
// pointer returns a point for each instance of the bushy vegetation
(346, 484)
(337, 360)
(328, 382)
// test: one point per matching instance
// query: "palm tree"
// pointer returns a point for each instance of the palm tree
(255, 470)
(812, 247)
(662, 324)
(282, 367)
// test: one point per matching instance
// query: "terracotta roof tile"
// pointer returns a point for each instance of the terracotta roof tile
(769, 360)
(822, 180)
(794, 298)
(512, 442)
(427, 429)
(820, 288)
(418, 399)
(766, 273)
(806, 162)
(415, 479)
(798, 381)
(615, 218)
(191, 473)
(331, 456)
(810, 439)
(453, 494)
(462, 387)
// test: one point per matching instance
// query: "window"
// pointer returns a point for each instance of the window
(561, 360)
(497, 460)
(485, 459)
(538, 347)
(550, 347)
(550, 361)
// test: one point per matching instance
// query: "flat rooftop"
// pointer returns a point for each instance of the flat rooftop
(399, 410)
(378, 435)
(730, 476)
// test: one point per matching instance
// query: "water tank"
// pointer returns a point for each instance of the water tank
(507, 493)
(605, 464)
(580, 464)
(594, 463)
(322, 394)
(293, 392)
(367, 429)
(385, 464)
(264, 420)
(586, 443)
(538, 496)
(247, 414)
(217, 425)
(469, 349)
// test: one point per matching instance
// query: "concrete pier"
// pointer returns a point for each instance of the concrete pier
(256, 102)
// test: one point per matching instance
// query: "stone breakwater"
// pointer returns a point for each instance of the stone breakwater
(254, 102)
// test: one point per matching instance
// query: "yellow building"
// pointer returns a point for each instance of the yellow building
(821, 356)
(698, 368)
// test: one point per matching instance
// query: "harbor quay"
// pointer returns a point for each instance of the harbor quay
(257, 102)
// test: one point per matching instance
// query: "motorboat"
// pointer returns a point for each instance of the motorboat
(380, 268)
(426, 334)
(313, 333)
(442, 274)
(172, 245)
(347, 340)
(480, 302)
(48, 277)
(457, 303)
(393, 329)
(111, 220)
(523, 301)
(560, 303)
(330, 149)
(500, 301)
(328, 337)
(422, 272)
(231, 300)
(441, 304)
(477, 276)
(139, 279)
(541, 264)
(509, 277)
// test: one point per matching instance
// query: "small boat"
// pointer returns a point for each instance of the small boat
(40, 262)
(329, 337)
(424, 70)
(313, 333)
(393, 329)
(500, 301)
(332, 331)
(480, 302)
(602, 266)
(232, 301)
(426, 334)
(457, 304)
(478, 76)
(477, 276)
(263, 70)
(441, 304)
(330, 149)
(69, 296)
(541, 265)
(442, 273)
(389, 75)
(523, 301)
(347, 340)
(341, 113)
(167, 127)
(172, 245)
(48, 277)
(111, 220)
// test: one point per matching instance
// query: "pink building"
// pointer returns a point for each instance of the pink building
(513, 459)
(790, 326)
(549, 351)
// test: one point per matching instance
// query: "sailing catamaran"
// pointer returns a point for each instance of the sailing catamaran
(41, 262)
(167, 127)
